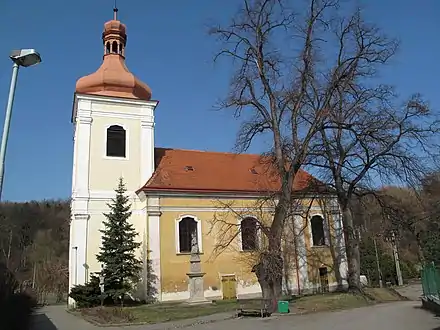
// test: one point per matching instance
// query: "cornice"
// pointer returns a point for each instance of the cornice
(115, 100)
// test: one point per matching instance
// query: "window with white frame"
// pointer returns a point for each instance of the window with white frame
(318, 230)
(188, 229)
(249, 234)
(116, 141)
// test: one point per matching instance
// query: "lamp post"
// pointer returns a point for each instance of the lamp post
(24, 58)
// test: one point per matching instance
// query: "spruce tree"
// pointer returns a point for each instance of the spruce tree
(120, 267)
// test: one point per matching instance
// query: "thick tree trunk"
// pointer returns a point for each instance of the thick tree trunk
(269, 270)
(267, 293)
(352, 249)
(269, 275)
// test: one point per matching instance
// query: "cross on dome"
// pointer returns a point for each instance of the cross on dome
(115, 12)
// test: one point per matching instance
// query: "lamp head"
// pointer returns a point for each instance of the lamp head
(25, 57)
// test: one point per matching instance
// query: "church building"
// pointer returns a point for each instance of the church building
(181, 195)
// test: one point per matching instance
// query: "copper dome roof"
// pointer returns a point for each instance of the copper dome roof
(113, 77)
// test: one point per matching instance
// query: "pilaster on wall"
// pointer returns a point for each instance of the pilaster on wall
(340, 244)
(302, 251)
(81, 164)
(78, 249)
(153, 214)
(147, 150)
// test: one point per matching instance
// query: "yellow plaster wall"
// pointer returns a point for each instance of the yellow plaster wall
(174, 266)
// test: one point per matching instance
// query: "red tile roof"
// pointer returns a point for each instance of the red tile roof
(202, 171)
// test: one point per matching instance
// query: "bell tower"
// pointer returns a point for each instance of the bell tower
(113, 118)
(114, 39)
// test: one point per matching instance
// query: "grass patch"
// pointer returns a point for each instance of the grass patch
(165, 312)
(383, 294)
(339, 301)
(329, 302)
(162, 312)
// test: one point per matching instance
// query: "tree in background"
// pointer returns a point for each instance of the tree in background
(121, 269)
(369, 137)
(369, 260)
(49, 261)
(34, 251)
(429, 236)
(431, 245)
(34, 245)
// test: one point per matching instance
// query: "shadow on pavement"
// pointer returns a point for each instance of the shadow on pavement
(434, 314)
(42, 322)
(427, 310)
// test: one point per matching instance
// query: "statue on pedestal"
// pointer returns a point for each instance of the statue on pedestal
(196, 290)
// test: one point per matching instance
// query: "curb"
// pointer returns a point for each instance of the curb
(404, 298)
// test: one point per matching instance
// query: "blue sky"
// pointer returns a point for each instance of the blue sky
(168, 48)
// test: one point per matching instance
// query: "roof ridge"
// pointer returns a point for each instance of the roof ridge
(215, 171)
(211, 152)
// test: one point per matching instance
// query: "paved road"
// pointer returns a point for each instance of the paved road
(412, 292)
(394, 316)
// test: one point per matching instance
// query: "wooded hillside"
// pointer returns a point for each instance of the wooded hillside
(34, 245)
(412, 215)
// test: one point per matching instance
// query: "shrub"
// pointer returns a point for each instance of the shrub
(87, 295)
(409, 271)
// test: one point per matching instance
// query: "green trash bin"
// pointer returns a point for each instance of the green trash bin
(283, 307)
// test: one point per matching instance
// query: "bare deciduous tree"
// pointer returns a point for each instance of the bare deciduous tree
(368, 139)
(274, 91)
(309, 83)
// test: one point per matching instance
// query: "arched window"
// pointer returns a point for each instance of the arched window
(116, 137)
(107, 48)
(318, 234)
(249, 234)
(120, 48)
(115, 47)
(187, 233)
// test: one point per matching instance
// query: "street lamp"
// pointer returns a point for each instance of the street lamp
(24, 58)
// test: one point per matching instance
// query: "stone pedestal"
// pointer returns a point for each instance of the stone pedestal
(196, 291)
